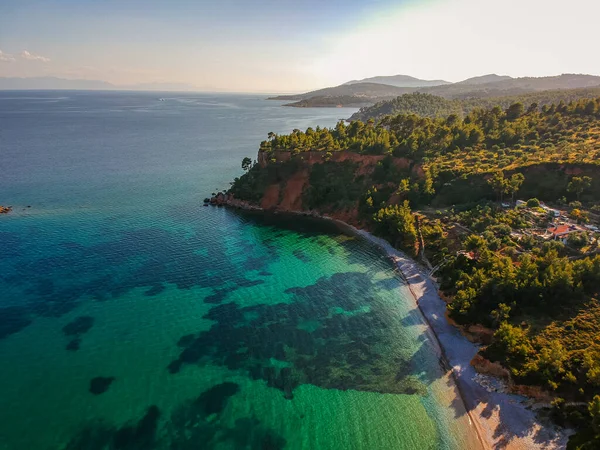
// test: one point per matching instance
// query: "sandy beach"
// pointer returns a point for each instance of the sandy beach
(503, 420)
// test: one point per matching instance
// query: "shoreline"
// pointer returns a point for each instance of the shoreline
(501, 420)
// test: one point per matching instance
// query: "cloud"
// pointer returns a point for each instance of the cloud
(6, 57)
(33, 57)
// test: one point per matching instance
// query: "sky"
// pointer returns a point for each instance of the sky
(294, 45)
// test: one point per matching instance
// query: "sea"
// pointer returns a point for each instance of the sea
(134, 317)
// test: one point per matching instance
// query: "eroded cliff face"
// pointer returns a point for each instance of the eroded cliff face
(314, 157)
(288, 194)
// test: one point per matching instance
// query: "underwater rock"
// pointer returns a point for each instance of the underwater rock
(12, 320)
(214, 400)
(73, 345)
(98, 435)
(140, 436)
(80, 325)
(99, 385)
(75, 329)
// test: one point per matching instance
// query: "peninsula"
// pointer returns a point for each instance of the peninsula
(501, 209)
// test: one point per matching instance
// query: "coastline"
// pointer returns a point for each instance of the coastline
(501, 420)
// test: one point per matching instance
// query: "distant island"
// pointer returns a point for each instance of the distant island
(379, 89)
(500, 205)
(54, 83)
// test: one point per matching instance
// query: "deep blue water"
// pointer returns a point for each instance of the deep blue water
(132, 317)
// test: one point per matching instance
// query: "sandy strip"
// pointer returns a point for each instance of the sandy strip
(502, 420)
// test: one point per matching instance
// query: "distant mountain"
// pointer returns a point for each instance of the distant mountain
(400, 81)
(513, 86)
(564, 81)
(363, 90)
(491, 78)
(50, 83)
(478, 87)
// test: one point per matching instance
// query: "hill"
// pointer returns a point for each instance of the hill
(472, 88)
(429, 105)
(359, 90)
(483, 79)
(400, 81)
(513, 86)
(335, 101)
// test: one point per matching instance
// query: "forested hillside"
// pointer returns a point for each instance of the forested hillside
(526, 276)
(429, 105)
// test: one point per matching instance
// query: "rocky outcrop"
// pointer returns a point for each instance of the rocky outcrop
(488, 367)
(5, 209)
(219, 199)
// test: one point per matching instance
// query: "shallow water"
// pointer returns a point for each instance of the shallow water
(132, 317)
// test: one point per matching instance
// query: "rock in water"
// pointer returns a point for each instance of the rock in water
(99, 385)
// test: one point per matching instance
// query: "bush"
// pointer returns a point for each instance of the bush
(533, 203)
(577, 240)
(397, 224)
(527, 242)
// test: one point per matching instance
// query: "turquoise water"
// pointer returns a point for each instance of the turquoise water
(132, 317)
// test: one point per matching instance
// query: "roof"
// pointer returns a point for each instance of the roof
(562, 229)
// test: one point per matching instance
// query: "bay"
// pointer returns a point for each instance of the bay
(133, 317)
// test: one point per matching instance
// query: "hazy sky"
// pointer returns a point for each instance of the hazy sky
(295, 45)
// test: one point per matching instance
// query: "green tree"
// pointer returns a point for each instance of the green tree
(514, 184)
(577, 240)
(404, 186)
(397, 223)
(475, 243)
(514, 111)
(428, 188)
(594, 410)
(502, 313)
(512, 345)
(578, 185)
(499, 184)
(246, 164)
